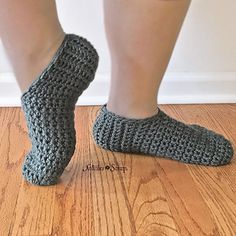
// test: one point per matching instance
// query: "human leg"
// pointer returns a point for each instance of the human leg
(31, 33)
(53, 69)
(141, 36)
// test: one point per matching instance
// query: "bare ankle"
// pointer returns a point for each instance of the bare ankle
(133, 111)
(34, 63)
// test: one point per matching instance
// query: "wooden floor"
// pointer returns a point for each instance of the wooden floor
(133, 195)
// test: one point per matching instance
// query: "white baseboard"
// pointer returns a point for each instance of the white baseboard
(176, 88)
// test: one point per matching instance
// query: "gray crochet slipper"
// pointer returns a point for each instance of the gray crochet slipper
(49, 105)
(162, 136)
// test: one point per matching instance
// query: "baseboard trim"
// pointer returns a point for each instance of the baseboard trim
(176, 88)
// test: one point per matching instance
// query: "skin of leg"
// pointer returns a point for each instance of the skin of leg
(141, 37)
(31, 33)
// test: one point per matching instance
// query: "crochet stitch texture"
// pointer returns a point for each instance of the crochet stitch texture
(49, 105)
(162, 136)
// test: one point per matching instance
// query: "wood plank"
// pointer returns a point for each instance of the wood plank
(13, 143)
(216, 185)
(146, 196)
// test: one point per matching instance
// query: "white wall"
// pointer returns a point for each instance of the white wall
(202, 68)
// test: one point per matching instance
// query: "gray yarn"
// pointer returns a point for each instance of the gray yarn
(162, 136)
(49, 105)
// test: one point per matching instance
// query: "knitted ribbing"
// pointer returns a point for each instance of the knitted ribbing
(49, 105)
(162, 136)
